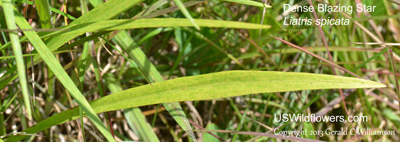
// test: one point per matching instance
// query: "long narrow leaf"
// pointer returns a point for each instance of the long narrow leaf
(206, 87)
(111, 25)
(10, 21)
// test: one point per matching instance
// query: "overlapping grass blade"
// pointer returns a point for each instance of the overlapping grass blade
(10, 21)
(111, 25)
(206, 87)
(62, 76)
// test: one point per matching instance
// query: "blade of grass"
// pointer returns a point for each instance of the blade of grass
(43, 9)
(250, 2)
(396, 80)
(10, 21)
(62, 76)
(82, 66)
(209, 86)
(111, 25)
(186, 13)
(370, 59)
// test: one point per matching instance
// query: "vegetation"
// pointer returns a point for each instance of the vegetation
(214, 70)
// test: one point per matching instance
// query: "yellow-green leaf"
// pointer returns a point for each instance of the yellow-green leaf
(206, 87)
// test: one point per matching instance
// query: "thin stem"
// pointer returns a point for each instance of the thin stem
(10, 21)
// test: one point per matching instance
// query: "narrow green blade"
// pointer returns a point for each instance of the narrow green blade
(10, 20)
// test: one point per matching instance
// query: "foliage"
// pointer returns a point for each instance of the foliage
(94, 70)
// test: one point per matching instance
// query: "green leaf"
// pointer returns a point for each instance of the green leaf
(16, 46)
(111, 25)
(206, 87)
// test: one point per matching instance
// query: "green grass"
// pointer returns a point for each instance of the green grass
(61, 75)
(217, 70)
